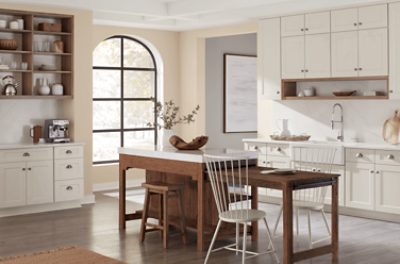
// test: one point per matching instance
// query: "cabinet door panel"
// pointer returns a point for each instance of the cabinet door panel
(12, 185)
(372, 17)
(292, 25)
(394, 58)
(345, 54)
(373, 52)
(318, 56)
(317, 23)
(387, 184)
(40, 183)
(360, 185)
(344, 20)
(293, 57)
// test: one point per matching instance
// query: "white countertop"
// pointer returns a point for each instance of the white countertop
(40, 145)
(183, 155)
(362, 145)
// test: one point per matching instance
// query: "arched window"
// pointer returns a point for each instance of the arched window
(124, 92)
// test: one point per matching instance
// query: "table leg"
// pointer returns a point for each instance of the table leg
(200, 213)
(254, 205)
(122, 198)
(335, 221)
(287, 225)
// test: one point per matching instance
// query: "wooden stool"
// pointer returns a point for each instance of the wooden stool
(164, 191)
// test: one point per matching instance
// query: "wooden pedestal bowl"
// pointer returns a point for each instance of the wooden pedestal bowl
(195, 144)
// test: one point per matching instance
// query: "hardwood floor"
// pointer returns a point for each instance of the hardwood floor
(96, 227)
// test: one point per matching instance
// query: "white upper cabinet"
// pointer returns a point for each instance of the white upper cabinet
(344, 20)
(316, 23)
(317, 56)
(394, 44)
(373, 52)
(269, 59)
(372, 17)
(292, 25)
(345, 54)
(359, 18)
(293, 57)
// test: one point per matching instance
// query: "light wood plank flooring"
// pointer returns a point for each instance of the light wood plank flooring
(96, 227)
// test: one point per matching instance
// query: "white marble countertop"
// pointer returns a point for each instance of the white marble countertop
(362, 145)
(183, 155)
(39, 145)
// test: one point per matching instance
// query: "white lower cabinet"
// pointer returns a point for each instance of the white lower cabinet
(360, 185)
(387, 195)
(39, 182)
(68, 190)
(12, 185)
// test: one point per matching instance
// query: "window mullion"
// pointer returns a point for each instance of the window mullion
(122, 92)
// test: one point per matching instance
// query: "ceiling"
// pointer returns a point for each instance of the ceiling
(181, 15)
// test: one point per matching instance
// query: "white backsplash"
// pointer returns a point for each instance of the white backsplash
(362, 119)
(16, 116)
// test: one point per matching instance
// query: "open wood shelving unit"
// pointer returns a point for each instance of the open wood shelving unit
(27, 52)
(289, 89)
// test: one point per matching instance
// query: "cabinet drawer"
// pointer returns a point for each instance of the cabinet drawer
(68, 169)
(360, 155)
(68, 152)
(68, 190)
(279, 150)
(17, 155)
(387, 157)
(260, 147)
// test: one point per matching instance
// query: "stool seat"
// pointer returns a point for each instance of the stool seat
(164, 191)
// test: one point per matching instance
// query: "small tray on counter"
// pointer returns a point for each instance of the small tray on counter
(290, 138)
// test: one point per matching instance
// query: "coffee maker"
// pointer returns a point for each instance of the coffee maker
(56, 131)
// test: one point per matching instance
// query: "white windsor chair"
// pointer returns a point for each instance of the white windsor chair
(316, 159)
(229, 181)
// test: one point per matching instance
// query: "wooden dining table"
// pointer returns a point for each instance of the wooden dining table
(188, 168)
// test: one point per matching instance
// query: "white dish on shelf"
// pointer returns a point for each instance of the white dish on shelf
(45, 67)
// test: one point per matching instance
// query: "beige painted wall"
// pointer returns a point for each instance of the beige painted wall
(167, 44)
(78, 109)
(192, 78)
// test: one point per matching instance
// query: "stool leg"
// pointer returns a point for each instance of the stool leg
(165, 226)
(160, 215)
(144, 215)
(182, 213)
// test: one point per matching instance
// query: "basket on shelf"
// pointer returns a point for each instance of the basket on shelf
(8, 44)
(50, 27)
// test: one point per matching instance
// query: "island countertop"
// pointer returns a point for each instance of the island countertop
(171, 153)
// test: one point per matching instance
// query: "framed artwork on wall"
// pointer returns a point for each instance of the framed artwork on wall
(240, 93)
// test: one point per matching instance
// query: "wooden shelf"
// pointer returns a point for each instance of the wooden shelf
(16, 31)
(51, 53)
(363, 78)
(15, 70)
(49, 72)
(16, 51)
(37, 32)
(379, 97)
(32, 97)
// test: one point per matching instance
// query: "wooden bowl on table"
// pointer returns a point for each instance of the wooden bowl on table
(344, 93)
(195, 144)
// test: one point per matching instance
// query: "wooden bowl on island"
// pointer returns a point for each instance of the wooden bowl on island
(195, 144)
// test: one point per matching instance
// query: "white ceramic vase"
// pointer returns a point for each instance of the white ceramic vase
(44, 88)
(164, 137)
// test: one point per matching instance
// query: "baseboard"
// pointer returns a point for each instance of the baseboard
(111, 186)
(89, 199)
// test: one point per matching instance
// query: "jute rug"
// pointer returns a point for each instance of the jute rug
(68, 255)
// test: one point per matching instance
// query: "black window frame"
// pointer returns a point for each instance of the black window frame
(123, 99)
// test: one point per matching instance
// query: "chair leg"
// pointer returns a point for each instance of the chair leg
(144, 215)
(213, 241)
(165, 219)
(160, 215)
(237, 238)
(271, 243)
(182, 216)
(309, 229)
(297, 221)
(244, 243)
(326, 221)
(277, 220)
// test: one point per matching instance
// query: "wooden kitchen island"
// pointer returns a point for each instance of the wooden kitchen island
(188, 168)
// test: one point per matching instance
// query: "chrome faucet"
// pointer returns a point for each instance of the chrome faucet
(333, 121)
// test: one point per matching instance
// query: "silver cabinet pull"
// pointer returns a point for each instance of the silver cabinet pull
(69, 188)
(377, 172)
(390, 156)
(359, 23)
(279, 149)
(68, 166)
(29, 169)
(371, 171)
(355, 24)
(68, 151)
(23, 169)
(302, 70)
(360, 69)
(278, 92)
(356, 69)
(302, 29)
(391, 91)
(359, 155)
(26, 154)
(255, 147)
